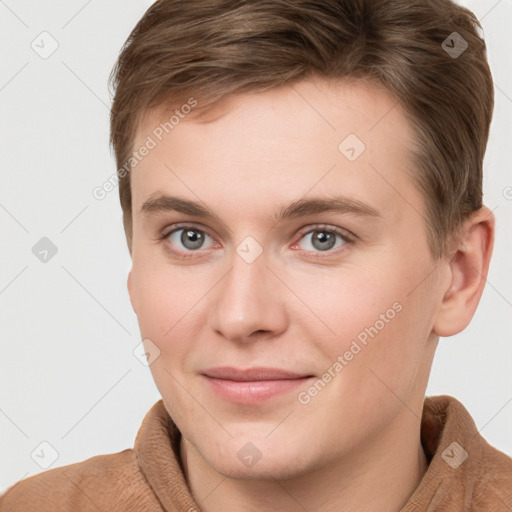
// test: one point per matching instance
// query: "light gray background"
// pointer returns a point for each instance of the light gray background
(68, 373)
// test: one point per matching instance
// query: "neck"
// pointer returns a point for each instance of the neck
(381, 476)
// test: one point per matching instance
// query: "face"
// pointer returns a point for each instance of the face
(313, 260)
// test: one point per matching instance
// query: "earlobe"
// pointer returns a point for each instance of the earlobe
(469, 266)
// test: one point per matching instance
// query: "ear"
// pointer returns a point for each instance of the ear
(469, 265)
(129, 285)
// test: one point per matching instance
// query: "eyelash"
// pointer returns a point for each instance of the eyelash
(346, 236)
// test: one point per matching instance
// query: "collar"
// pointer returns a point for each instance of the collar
(455, 451)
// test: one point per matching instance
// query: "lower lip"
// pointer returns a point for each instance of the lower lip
(252, 392)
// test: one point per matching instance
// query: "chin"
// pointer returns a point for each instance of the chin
(262, 471)
(243, 460)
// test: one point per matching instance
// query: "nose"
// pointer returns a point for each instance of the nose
(249, 302)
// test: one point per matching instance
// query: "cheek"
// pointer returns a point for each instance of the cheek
(166, 316)
(164, 295)
(163, 308)
(369, 319)
(345, 305)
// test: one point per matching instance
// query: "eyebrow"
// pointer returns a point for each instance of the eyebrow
(300, 208)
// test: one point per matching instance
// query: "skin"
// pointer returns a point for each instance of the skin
(356, 444)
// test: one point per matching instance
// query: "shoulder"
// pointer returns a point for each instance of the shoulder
(493, 478)
(464, 459)
(104, 482)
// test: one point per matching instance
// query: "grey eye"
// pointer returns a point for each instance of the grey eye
(190, 238)
(323, 240)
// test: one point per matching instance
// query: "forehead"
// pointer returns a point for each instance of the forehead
(347, 137)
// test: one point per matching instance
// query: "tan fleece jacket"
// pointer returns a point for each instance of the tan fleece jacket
(149, 478)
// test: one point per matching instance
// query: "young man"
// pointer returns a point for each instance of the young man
(301, 187)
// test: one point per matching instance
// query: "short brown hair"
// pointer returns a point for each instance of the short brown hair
(210, 49)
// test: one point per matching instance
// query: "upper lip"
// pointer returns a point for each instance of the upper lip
(252, 374)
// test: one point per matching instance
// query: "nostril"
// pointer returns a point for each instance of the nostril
(259, 331)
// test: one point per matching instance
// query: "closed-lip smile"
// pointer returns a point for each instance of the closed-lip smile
(252, 385)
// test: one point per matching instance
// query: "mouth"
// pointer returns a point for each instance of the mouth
(254, 385)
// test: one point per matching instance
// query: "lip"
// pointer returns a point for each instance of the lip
(253, 385)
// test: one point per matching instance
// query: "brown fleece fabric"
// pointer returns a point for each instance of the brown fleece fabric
(150, 477)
